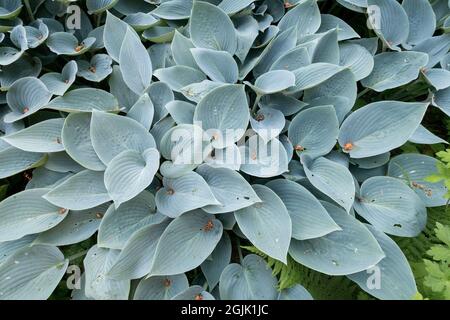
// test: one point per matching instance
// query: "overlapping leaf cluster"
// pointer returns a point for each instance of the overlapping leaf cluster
(90, 115)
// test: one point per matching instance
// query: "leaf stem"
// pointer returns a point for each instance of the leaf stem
(238, 245)
(363, 92)
(255, 104)
(77, 255)
(30, 11)
(159, 176)
(99, 19)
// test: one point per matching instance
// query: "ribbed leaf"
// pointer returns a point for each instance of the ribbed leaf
(229, 188)
(59, 83)
(129, 173)
(161, 288)
(211, 28)
(351, 250)
(414, 169)
(305, 17)
(268, 123)
(252, 280)
(423, 136)
(313, 75)
(76, 138)
(99, 286)
(64, 43)
(217, 65)
(331, 178)
(82, 191)
(98, 6)
(264, 160)
(213, 266)
(44, 136)
(136, 257)
(422, 20)
(135, 63)
(119, 224)
(115, 31)
(186, 243)
(143, 111)
(380, 127)
(178, 77)
(224, 109)
(394, 69)
(32, 214)
(97, 69)
(128, 134)
(184, 194)
(267, 224)
(194, 293)
(314, 131)
(391, 206)
(389, 21)
(25, 97)
(32, 273)
(309, 218)
(174, 10)
(85, 100)
(76, 227)
(396, 277)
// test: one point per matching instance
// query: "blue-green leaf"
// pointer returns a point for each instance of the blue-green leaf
(309, 218)
(129, 173)
(380, 127)
(161, 287)
(350, 250)
(394, 69)
(396, 280)
(267, 224)
(32, 273)
(119, 224)
(229, 188)
(331, 178)
(184, 194)
(217, 65)
(128, 134)
(99, 286)
(32, 214)
(135, 63)
(391, 206)
(414, 169)
(211, 28)
(82, 191)
(314, 131)
(186, 243)
(252, 280)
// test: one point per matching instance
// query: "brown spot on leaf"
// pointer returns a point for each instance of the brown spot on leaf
(348, 146)
(79, 48)
(208, 226)
(299, 148)
(167, 282)
(198, 297)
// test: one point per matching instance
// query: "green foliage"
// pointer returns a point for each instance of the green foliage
(321, 286)
(432, 276)
(438, 271)
(443, 169)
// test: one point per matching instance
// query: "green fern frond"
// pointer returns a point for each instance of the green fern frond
(321, 286)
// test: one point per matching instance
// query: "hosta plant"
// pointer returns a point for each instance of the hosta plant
(171, 135)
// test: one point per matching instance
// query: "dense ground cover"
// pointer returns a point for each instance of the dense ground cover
(224, 149)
